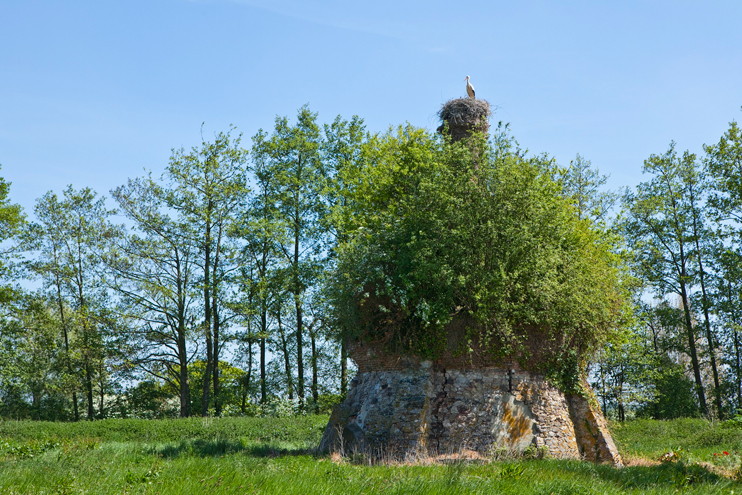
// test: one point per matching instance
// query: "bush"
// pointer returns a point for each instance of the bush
(446, 233)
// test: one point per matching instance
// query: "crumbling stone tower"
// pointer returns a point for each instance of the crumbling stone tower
(464, 116)
(405, 406)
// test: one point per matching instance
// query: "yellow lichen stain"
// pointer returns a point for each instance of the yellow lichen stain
(527, 392)
(518, 425)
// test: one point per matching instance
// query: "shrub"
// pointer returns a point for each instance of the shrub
(474, 233)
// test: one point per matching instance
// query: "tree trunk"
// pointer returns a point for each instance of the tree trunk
(602, 383)
(89, 385)
(185, 391)
(215, 373)
(737, 364)
(692, 347)
(656, 405)
(263, 294)
(705, 303)
(207, 317)
(63, 321)
(86, 340)
(207, 375)
(216, 323)
(299, 353)
(101, 381)
(246, 385)
(185, 386)
(286, 357)
(75, 406)
(263, 396)
(619, 396)
(35, 403)
(712, 348)
(315, 389)
(299, 322)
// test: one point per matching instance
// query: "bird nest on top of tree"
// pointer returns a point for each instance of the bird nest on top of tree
(462, 111)
(463, 115)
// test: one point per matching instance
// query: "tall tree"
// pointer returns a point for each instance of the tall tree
(470, 231)
(342, 154)
(658, 224)
(72, 234)
(47, 238)
(207, 185)
(31, 357)
(153, 271)
(12, 220)
(704, 240)
(582, 185)
(723, 162)
(723, 166)
(260, 232)
(727, 298)
(292, 154)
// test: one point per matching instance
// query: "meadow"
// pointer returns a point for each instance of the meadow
(275, 455)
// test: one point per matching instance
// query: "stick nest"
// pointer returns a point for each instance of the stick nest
(463, 116)
(463, 111)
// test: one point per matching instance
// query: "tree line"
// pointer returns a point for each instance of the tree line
(212, 288)
(211, 271)
(681, 231)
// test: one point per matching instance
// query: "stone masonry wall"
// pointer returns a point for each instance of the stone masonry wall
(423, 408)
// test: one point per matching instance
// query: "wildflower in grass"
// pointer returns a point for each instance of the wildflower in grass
(726, 453)
(670, 457)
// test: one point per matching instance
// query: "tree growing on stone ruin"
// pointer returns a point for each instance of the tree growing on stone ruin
(474, 232)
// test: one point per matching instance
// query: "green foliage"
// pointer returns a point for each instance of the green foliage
(150, 400)
(33, 378)
(230, 393)
(673, 397)
(637, 375)
(470, 230)
(581, 185)
(70, 236)
(415, 239)
(663, 227)
(326, 402)
(12, 220)
(723, 161)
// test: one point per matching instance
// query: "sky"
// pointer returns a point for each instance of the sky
(93, 93)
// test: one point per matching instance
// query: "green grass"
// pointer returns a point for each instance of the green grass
(299, 429)
(696, 440)
(274, 456)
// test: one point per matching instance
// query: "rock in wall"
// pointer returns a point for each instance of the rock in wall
(425, 409)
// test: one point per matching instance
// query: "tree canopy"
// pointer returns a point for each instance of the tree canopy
(474, 231)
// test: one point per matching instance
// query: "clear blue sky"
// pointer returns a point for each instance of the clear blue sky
(92, 93)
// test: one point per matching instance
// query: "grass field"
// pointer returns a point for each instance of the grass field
(274, 455)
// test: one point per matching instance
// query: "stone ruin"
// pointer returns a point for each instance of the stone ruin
(404, 407)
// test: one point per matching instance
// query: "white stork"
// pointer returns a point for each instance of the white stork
(469, 88)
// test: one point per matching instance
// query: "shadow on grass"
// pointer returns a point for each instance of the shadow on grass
(217, 448)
